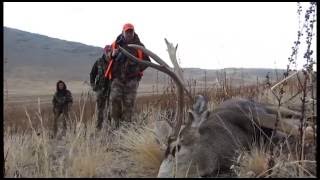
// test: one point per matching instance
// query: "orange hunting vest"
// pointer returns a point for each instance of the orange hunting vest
(108, 72)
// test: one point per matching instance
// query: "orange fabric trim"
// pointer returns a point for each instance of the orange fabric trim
(140, 57)
(140, 54)
(108, 71)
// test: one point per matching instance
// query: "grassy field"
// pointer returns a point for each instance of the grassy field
(132, 150)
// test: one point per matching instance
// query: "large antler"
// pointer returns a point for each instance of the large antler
(165, 68)
(172, 54)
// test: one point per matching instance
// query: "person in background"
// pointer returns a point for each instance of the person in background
(62, 102)
(101, 85)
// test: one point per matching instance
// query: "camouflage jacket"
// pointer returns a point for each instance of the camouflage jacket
(123, 68)
(97, 79)
(62, 99)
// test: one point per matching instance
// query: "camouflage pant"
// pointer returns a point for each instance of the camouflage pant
(102, 96)
(58, 111)
(122, 97)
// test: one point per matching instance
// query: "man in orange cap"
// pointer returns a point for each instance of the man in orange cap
(125, 75)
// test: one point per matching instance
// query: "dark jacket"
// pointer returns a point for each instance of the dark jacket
(62, 98)
(124, 68)
(97, 78)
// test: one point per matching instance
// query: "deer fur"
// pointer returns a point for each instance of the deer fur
(210, 140)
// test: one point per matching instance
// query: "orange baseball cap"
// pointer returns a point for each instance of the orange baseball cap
(127, 27)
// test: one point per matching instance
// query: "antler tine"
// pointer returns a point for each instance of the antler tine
(161, 62)
(173, 57)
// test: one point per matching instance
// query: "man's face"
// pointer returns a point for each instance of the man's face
(128, 35)
(61, 86)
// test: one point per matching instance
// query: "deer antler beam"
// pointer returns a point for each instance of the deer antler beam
(163, 67)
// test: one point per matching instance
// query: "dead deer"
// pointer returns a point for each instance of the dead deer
(206, 142)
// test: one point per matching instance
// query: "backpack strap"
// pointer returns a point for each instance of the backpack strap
(108, 73)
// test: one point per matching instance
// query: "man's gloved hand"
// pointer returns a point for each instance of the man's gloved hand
(120, 57)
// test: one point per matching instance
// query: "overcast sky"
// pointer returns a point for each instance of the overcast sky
(210, 35)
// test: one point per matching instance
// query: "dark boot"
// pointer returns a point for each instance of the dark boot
(99, 124)
(117, 123)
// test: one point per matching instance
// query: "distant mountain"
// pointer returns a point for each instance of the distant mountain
(36, 57)
(30, 55)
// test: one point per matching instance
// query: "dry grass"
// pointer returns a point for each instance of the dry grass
(86, 157)
(255, 163)
(130, 151)
(16, 120)
(252, 163)
(143, 149)
(35, 154)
